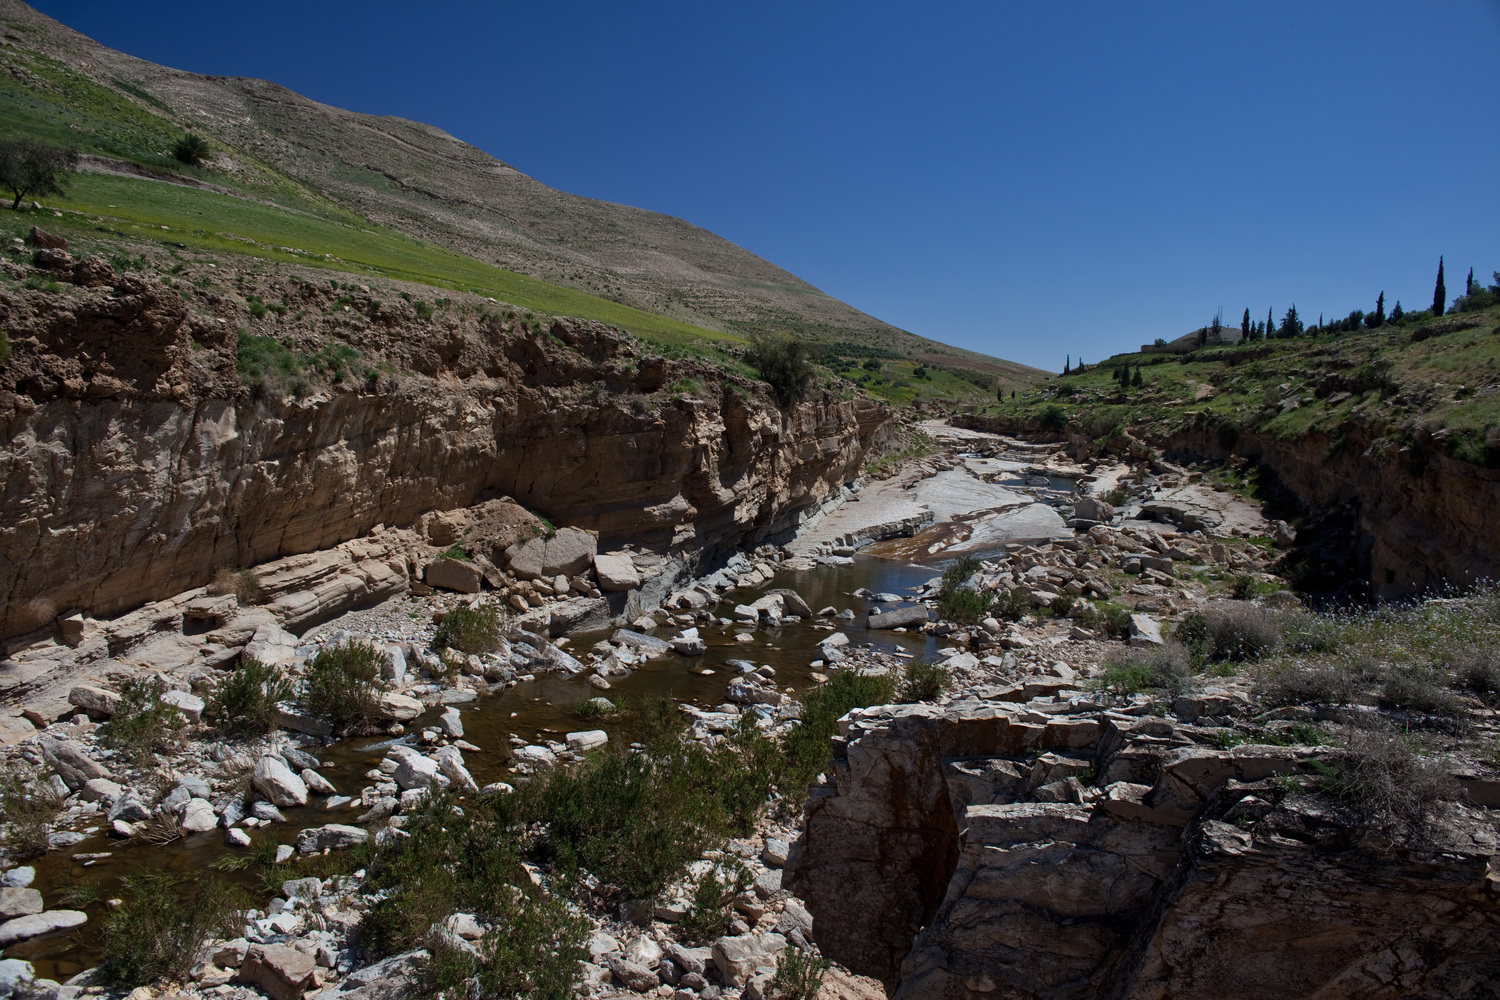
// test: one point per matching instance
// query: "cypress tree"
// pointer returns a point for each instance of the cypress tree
(1245, 325)
(1469, 284)
(1439, 293)
(1067, 363)
(1379, 310)
(1137, 381)
(1270, 324)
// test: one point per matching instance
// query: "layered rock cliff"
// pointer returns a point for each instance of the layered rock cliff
(995, 849)
(134, 463)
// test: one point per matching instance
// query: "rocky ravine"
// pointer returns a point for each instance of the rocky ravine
(956, 853)
(134, 463)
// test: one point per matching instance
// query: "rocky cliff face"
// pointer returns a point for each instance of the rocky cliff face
(1386, 523)
(134, 463)
(957, 853)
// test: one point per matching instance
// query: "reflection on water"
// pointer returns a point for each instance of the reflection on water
(537, 710)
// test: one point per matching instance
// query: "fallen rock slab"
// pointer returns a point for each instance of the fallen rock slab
(900, 618)
(280, 971)
(37, 924)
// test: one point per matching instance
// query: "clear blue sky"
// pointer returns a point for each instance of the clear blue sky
(1024, 179)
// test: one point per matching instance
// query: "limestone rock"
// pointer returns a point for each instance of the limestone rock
(95, 699)
(1144, 631)
(454, 574)
(616, 572)
(19, 902)
(588, 740)
(277, 783)
(280, 971)
(37, 924)
(900, 618)
(737, 957)
(335, 836)
(398, 707)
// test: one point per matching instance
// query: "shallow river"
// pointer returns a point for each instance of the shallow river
(536, 710)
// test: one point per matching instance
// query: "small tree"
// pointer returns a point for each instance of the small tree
(1245, 325)
(1270, 324)
(1376, 319)
(191, 150)
(1439, 293)
(1291, 325)
(1469, 284)
(1067, 363)
(1397, 312)
(1137, 381)
(783, 365)
(30, 168)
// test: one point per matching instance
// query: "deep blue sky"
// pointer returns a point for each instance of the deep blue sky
(1025, 179)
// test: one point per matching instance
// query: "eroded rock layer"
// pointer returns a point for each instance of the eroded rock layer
(134, 463)
(992, 849)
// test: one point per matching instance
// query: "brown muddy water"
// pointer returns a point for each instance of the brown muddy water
(537, 710)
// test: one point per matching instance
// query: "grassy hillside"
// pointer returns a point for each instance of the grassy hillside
(1433, 379)
(473, 217)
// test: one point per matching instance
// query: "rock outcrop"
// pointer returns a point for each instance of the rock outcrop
(957, 853)
(134, 463)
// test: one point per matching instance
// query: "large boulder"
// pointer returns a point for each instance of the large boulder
(398, 707)
(737, 957)
(455, 574)
(332, 836)
(567, 553)
(74, 766)
(579, 614)
(1144, 631)
(280, 971)
(277, 783)
(94, 699)
(900, 618)
(791, 602)
(616, 572)
(1093, 509)
(16, 901)
(36, 924)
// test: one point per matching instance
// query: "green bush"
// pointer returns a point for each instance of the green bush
(191, 150)
(244, 703)
(1240, 631)
(923, 680)
(1010, 605)
(783, 364)
(142, 725)
(476, 629)
(1418, 688)
(1165, 667)
(713, 903)
(964, 606)
(1242, 587)
(471, 861)
(4, 349)
(806, 749)
(157, 932)
(28, 805)
(1052, 418)
(799, 975)
(1110, 620)
(1479, 671)
(455, 552)
(340, 686)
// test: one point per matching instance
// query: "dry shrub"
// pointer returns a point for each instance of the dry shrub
(1240, 631)
(1479, 671)
(244, 584)
(37, 613)
(1419, 688)
(1164, 667)
(1382, 776)
(28, 805)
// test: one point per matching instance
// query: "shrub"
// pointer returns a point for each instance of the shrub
(160, 928)
(244, 584)
(1319, 684)
(923, 680)
(1117, 497)
(30, 168)
(1240, 631)
(806, 746)
(28, 805)
(958, 574)
(1010, 605)
(1418, 688)
(470, 861)
(1052, 418)
(4, 349)
(245, 702)
(963, 605)
(783, 364)
(142, 725)
(455, 552)
(191, 150)
(1382, 776)
(1110, 620)
(1479, 671)
(799, 975)
(1164, 667)
(339, 686)
(1242, 586)
(474, 629)
(713, 902)
(1192, 632)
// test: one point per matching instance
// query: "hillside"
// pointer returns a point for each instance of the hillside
(415, 181)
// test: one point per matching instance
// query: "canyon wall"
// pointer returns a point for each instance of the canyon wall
(133, 463)
(994, 849)
(1385, 523)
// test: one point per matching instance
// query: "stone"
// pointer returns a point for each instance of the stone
(450, 764)
(280, 971)
(315, 782)
(199, 816)
(190, 705)
(18, 878)
(774, 853)
(791, 601)
(900, 618)
(454, 574)
(230, 954)
(582, 742)
(1093, 509)
(1144, 631)
(767, 884)
(413, 770)
(394, 978)
(450, 724)
(394, 668)
(43, 239)
(94, 699)
(536, 756)
(266, 812)
(616, 572)
(19, 902)
(37, 924)
(643, 951)
(648, 644)
(689, 960)
(632, 976)
(738, 956)
(398, 707)
(685, 645)
(70, 762)
(14, 974)
(332, 836)
(235, 837)
(101, 790)
(578, 614)
(277, 783)
(129, 808)
(289, 716)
